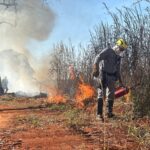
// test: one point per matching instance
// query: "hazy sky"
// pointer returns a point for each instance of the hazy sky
(25, 48)
(75, 18)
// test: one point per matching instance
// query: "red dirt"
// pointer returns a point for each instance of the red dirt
(49, 137)
(57, 136)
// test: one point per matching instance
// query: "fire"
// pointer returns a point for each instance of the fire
(57, 99)
(128, 96)
(56, 96)
(84, 92)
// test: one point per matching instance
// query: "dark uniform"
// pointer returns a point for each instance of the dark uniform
(108, 63)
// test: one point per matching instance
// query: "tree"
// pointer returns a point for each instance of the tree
(133, 25)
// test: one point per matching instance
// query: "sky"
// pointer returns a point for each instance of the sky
(74, 21)
(25, 46)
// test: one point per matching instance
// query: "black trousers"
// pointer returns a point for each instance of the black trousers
(100, 106)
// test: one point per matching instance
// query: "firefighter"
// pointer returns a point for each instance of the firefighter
(1, 88)
(5, 84)
(106, 70)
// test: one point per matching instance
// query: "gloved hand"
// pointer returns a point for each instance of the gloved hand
(95, 72)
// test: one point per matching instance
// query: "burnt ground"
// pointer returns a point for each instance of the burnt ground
(64, 127)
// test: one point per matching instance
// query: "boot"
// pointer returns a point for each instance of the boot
(110, 109)
(100, 109)
(100, 106)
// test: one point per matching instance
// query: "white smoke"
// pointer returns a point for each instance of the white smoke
(32, 20)
(18, 71)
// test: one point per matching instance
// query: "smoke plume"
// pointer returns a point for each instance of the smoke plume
(17, 68)
(30, 20)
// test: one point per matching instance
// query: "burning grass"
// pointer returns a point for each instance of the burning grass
(82, 121)
(69, 114)
(84, 92)
(128, 97)
(57, 96)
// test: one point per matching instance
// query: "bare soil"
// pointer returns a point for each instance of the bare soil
(46, 129)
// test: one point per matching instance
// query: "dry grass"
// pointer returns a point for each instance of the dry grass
(34, 120)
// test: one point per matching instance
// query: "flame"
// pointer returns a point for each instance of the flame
(128, 96)
(56, 96)
(84, 92)
(57, 99)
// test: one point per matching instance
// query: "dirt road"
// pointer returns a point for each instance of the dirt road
(48, 129)
(51, 136)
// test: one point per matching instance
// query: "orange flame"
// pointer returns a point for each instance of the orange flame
(56, 96)
(128, 96)
(57, 99)
(83, 93)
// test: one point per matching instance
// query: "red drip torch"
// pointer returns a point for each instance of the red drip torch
(121, 91)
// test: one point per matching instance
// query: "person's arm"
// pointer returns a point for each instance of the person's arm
(101, 56)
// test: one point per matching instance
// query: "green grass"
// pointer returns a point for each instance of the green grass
(141, 134)
(76, 118)
(35, 120)
(59, 107)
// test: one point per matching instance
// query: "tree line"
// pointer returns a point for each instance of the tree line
(132, 24)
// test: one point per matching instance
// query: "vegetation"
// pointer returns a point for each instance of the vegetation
(59, 107)
(34, 120)
(141, 134)
(132, 24)
(76, 118)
